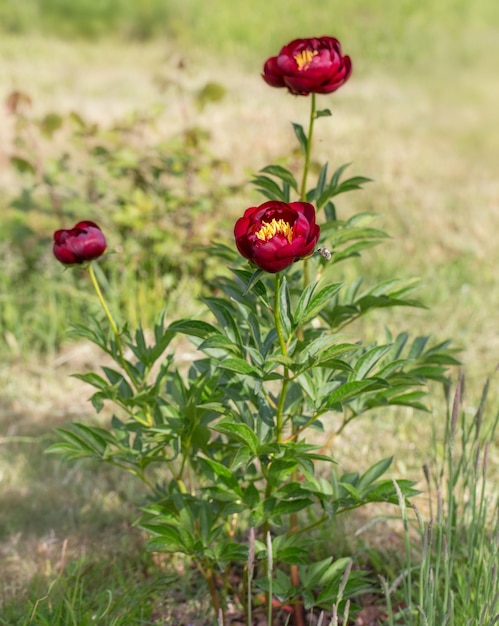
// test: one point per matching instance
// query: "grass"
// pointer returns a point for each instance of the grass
(418, 116)
(453, 579)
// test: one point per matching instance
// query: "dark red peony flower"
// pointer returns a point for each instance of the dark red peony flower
(309, 66)
(276, 234)
(84, 242)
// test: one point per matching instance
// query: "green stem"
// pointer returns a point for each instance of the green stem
(306, 167)
(295, 577)
(284, 352)
(207, 573)
(277, 316)
(300, 429)
(303, 193)
(113, 325)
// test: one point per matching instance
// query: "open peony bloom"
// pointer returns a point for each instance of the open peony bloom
(84, 242)
(309, 66)
(276, 234)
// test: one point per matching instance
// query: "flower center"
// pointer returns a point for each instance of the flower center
(275, 227)
(304, 58)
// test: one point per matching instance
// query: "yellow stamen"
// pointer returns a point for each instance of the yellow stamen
(304, 58)
(275, 227)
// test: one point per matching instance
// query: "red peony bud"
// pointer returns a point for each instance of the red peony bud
(85, 242)
(309, 66)
(276, 234)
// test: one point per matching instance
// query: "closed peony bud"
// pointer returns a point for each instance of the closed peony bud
(84, 242)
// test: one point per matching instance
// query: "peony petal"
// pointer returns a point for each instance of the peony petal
(85, 242)
(277, 253)
(324, 73)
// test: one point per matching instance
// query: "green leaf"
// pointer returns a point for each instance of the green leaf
(254, 281)
(352, 491)
(368, 360)
(228, 552)
(196, 328)
(323, 113)
(251, 281)
(350, 390)
(77, 120)
(50, 123)
(251, 496)
(330, 212)
(338, 234)
(332, 570)
(316, 303)
(168, 541)
(374, 472)
(280, 469)
(240, 366)
(304, 300)
(302, 138)
(82, 441)
(241, 432)
(280, 359)
(313, 194)
(95, 335)
(284, 308)
(309, 575)
(224, 311)
(417, 347)
(338, 349)
(334, 189)
(384, 491)
(287, 507)
(353, 250)
(223, 474)
(337, 174)
(219, 342)
(210, 92)
(23, 166)
(282, 173)
(269, 188)
(292, 555)
(93, 379)
(351, 184)
(117, 380)
(242, 458)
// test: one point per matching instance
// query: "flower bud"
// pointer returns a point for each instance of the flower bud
(80, 244)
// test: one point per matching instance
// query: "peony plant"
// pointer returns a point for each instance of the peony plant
(233, 450)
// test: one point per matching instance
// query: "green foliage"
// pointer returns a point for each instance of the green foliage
(158, 200)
